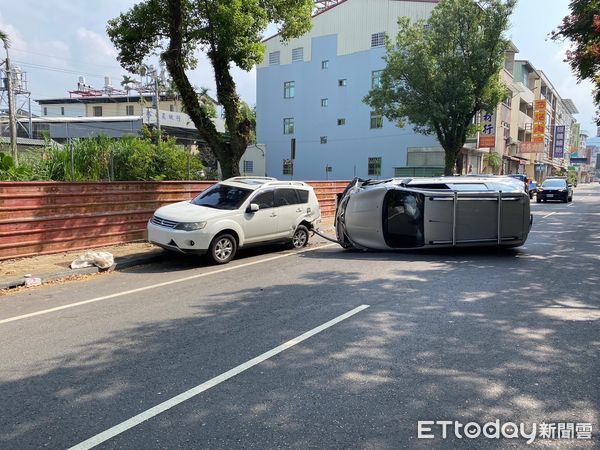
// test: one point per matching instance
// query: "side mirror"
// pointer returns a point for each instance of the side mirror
(252, 208)
(569, 185)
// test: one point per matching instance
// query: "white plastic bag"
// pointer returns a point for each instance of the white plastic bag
(103, 260)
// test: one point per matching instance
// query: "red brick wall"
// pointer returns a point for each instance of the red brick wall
(51, 217)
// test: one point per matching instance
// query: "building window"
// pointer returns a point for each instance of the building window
(297, 54)
(341, 122)
(288, 125)
(325, 64)
(374, 168)
(376, 120)
(288, 167)
(97, 111)
(343, 82)
(248, 166)
(289, 89)
(324, 102)
(377, 39)
(274, 58)
(129, 110)
(376, 79)
(45, 111)
(323, 139)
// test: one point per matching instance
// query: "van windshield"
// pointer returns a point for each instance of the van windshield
(403, 219)
(222, 196)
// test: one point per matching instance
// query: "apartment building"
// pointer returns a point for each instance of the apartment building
(544, 125)
(310, 90)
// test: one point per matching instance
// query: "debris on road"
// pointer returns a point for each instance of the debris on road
(102, 260)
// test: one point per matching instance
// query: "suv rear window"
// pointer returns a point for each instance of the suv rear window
(303, 195)
(284, 197)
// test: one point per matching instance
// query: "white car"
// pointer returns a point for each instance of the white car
(235, 213)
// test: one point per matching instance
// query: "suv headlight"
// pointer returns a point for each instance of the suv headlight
(190, 226)
(561, 190)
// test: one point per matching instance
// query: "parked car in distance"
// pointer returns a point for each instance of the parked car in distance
(236, 213)
(523, 178)
(555, 189)
(419, 213)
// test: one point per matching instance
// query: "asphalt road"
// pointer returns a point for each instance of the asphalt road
(462, 336)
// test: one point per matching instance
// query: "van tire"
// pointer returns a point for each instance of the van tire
(222, 249)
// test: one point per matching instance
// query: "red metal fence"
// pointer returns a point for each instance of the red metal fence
(50, 217)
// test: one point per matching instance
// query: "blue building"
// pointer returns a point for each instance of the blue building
(310, 94)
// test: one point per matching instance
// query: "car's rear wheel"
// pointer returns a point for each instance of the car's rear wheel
(300, 238)
(222, 249)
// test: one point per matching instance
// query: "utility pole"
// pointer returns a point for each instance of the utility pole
(157, 101)
(11, 106)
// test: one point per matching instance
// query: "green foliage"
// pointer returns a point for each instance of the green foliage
(8, 170)
(229, 32)
(103, 159)
(441, 72)
(582, 28)
(249, 114)
(492, 162)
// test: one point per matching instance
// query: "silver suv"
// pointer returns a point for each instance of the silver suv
(235, 213)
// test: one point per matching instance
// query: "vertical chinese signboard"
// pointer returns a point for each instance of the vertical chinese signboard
(575, 132)
(559, 141)
(487, 137)
(539, 121)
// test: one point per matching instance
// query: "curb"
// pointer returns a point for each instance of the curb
(120, 264)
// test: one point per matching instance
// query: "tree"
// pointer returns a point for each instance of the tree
(442, 72)
(229, 31)
(582, 28)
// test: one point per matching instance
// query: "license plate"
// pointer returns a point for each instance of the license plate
(550, 195)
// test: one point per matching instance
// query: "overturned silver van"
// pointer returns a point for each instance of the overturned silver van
(419, 213)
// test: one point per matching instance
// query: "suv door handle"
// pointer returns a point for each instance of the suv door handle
(273, 215)
(299, 210)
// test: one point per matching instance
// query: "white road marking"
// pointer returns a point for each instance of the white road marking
(548, 215)
(570, 204)
(154, 286)
(162, 407)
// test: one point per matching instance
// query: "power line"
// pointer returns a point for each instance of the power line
(61, 70)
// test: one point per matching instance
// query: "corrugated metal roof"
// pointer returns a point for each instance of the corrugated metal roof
(26, 141)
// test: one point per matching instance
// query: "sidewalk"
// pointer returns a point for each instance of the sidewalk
(13, 272)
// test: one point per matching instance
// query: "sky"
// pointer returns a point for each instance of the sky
(56, 41)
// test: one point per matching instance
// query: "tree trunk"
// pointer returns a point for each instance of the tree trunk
(450, 161)
(227, 153)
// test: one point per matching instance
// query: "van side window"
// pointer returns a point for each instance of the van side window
(264, 200)
(284, 197)
(303, 195)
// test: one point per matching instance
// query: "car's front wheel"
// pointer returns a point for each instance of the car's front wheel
(222, 249)
(300, 238)
(538, 199)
